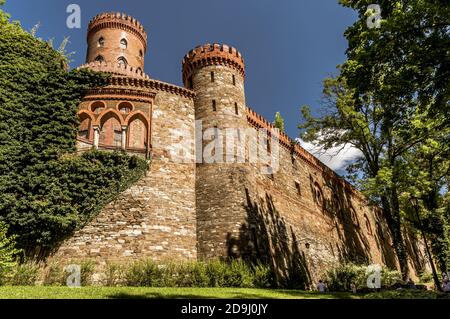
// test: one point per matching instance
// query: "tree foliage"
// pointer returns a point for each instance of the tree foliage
(46, 190)
(8, 252)
(279, 122)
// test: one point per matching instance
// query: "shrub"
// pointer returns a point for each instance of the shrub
(390, 277)
(8, 253)
(87, 268)
(216, 272)
(262, 276)
(143, 273)
(426, 277)
(192, 274)
(24, 275)
(54, 275)
(239, 274)
(114, 275)
(340, 277)
(198, 275)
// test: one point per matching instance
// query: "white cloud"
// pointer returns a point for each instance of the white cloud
(336, 158)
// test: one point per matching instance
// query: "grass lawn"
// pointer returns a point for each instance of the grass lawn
(41, 292)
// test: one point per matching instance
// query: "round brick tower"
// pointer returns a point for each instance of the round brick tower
(116, 38)
(216, 73)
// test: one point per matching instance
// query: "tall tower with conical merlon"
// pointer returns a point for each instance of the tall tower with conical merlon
(216, 74)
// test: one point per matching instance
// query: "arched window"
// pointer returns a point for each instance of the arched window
(97, 107)
(125, 107)
(85, 126)
(123, 44)
(122, 61)
(137, 132)
(101, 42)
(110, 130)
(100, 58)
(139, 70)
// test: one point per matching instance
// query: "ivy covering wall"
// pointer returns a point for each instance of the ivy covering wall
(46, 190)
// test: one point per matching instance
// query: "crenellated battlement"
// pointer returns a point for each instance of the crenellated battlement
(212, 54)
(117, 20)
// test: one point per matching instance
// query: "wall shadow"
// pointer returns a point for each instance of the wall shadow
(353, 245)
(266, 238)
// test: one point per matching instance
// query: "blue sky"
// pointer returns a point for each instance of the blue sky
(289, 46)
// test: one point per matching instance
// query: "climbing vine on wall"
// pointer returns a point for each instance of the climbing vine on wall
(46, 193)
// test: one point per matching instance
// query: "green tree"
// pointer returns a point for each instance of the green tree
(279, 122)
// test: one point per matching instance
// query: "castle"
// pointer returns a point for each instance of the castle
(301, 217)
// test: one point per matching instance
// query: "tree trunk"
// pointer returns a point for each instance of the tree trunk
(392, 217)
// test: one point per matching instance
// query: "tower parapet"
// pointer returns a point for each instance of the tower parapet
(212, 54)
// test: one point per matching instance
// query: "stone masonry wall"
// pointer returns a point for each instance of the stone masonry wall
(156, 217)
(304, 220)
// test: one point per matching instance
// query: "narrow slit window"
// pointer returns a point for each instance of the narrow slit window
(236, 109)
(234, 80)
(297, 187)
(214, 105)
(212, 76)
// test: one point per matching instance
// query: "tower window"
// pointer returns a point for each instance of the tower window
(123, 44)
(141, 54)
(122, 61)
(212, 76)
(236, 109)
(100, 58)
(234, 80)
(297, 186)
(214, 105)
(101, 42)
(269, 146)
(125, 107)
(190, 83)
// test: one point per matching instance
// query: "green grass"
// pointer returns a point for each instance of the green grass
(41, 292)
